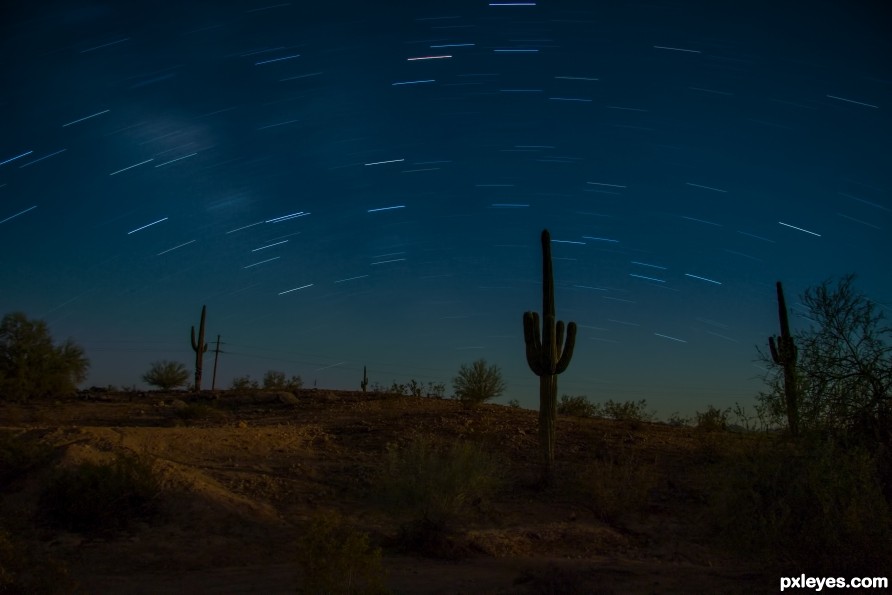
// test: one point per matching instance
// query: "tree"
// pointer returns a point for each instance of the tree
(32, 366)
(478, 382)
(167, 375)
(845, 364)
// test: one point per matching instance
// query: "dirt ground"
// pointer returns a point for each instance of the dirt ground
(250, 470)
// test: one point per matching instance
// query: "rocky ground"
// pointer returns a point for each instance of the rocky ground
(246, 472)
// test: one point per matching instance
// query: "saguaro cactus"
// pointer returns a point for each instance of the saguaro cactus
(784, 353)
(365, 380)
(547, 356)
(200, 349)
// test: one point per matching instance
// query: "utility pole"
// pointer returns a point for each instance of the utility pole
(216, 355)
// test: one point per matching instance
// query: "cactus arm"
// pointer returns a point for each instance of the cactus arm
(775, 356)
(567, 355)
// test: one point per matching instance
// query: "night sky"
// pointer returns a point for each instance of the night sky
(364, 183)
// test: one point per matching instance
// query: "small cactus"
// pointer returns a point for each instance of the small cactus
(365, 380)
(784, 354)
(200, 348)
(547, 355)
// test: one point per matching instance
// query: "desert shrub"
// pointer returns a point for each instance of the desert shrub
(32, 366)
(514, 404)
(578, 406)
(166, 374)
(244, 383)
(712, 420)
(415, 389)
(635, 411)
(436, 484)
(617, 484)
(814, 509)
(478, 382)
(96, 497)
(275, 380)
(335, 558)
(19, 454)
(436, 389)
(677, 419)
(397, 390)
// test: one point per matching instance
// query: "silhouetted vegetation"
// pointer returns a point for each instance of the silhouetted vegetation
(97, 497)
(547, 356)
(580, 406)
(275, 380)
(783, 353)
(244, 383)
(166, 375)
(478, 382)
(200, 347)
(336, 559)
(31, 365)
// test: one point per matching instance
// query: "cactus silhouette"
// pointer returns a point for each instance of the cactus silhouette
(783, 352)
(547, 356)
(200, 348)
(365, 380)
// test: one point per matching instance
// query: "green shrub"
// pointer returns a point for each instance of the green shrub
(166, 375)
(96, 497)
(820, 510)
(576, 406)
(478, 382)
(436, 484)
(334, 559)
(19, 454)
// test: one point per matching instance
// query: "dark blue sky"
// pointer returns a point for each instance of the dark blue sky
(349, 184)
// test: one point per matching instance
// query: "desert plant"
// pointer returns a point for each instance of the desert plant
(32, 366)
(96, 497)
(514, 404)
(783, 353)
(478, 382)
(166, 375)
(547, 356)
(578, 406)
(677, 419)
(275, 380)
(816, 508)
(436, 390)
(415, 388)
(844, 366)
(19, 454)
(365, 380)
(200, 347)
(712, 420)
(617, 484)
(634, 411)
(244, 383)
(435, 484)
(336, 559)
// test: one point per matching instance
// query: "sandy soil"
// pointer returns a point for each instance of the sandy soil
(245, 479)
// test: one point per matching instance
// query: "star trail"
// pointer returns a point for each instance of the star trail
(364, 184)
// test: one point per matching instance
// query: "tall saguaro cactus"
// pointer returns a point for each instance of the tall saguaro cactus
(783, 352)
(547, 355)
(200, 347)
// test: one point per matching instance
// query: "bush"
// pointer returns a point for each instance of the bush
(166, 375)
(627, 411)
(617, 484)
(436, 484)
(94, 497)
(578, 406)
(820, 509)
(244, 383)
(478, 382)
(712, 420)
(32, 366)
(274, 380)
(334, 559)
(514, 404)
(19, 454)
